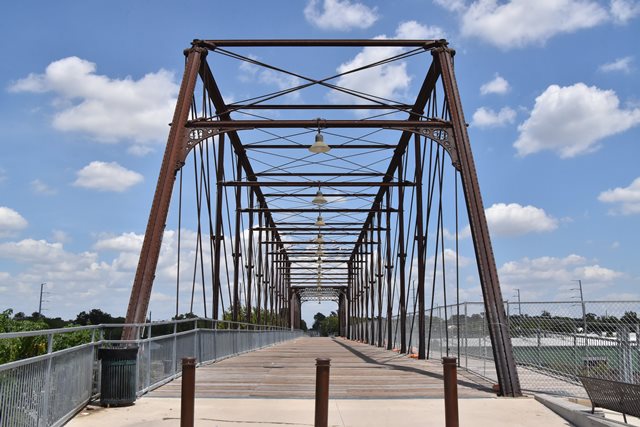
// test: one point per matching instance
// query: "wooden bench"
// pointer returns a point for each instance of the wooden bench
(613, 395)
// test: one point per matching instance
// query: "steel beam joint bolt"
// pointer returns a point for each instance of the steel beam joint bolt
(322, 392)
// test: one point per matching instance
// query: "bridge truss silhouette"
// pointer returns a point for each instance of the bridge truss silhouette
(359, 219)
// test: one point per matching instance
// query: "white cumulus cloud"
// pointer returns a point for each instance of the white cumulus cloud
(498, 85)
(486, 117)
(624, 10)
(126, 242)
(389, 81)
(571, 120)
(619, 65)
(518, 23)
(342, 15)
(553, 278)
(626, 199)
(107, 109)
(514, 219)
(11, 222)
(41, 187)
(253, 72)
(452, 5)
(107, 177)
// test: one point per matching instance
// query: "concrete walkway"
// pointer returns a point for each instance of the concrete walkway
(369, 386)
(495, 412)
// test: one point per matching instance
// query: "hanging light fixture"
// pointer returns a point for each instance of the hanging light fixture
(320, 221)
(319, 239)
(319, 146)
(319, 199)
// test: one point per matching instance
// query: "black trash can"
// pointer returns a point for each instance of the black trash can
(118, 376)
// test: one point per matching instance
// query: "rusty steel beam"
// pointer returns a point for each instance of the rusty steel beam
(325, 230)
(314, 210)
(213, 91)
(313, 243)
(300, 195)
(349, 174)
(489, 282)
(333, 147)
(319, 106)
(213, 44)
(234, 125)
(316, 184)
(172, 161)
(428, 85)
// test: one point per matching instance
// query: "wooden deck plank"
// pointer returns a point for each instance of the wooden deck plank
(358, 370)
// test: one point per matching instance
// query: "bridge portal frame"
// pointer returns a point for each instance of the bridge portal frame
(185, 134)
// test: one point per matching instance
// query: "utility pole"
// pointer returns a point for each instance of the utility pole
(41, 300)
(584, 310)
(519, 307)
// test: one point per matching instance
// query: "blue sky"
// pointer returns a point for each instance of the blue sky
(551, 91)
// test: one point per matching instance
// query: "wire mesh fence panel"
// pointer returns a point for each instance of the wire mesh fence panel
(70, 382)
(49, 388)
(22, 394)
(553, 342)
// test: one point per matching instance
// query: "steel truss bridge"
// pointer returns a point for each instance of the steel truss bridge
(344, 199)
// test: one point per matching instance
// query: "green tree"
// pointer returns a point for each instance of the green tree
(330, 325)
(630, 318)
(20, 348)
(318, 318)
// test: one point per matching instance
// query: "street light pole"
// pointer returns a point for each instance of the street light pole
(584, 310)
(519, 307)
(41, 294)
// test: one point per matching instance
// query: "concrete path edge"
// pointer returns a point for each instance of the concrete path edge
(575, 413)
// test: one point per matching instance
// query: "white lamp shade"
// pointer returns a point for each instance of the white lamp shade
(319, 199)
(320, 222)
(319, 146)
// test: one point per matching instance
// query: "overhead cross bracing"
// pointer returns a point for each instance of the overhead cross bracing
(330, 180)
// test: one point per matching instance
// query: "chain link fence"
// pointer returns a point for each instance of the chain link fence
(48, 389)
(553, 342)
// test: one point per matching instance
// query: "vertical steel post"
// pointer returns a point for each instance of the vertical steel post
(187, 397)
(361, 278)
(389, 268)
(450, 391)
(489, 281)
(349, 301)
(259, 274)
(322, 392)
(272, 280)
(366, 286)
(172, 161)
(421, 254)
(402, 258)
(237, 252)
(379, 277)
(372, 282)
(249, 263)
(217, 258)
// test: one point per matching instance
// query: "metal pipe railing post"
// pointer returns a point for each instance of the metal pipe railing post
(450, 391)
(187, 396)
(322, 392)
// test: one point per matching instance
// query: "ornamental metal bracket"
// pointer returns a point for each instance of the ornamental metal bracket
(194, 136)
(446, 140)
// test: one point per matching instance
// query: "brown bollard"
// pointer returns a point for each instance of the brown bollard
(322, 392)
(188, 394)
(450, 392)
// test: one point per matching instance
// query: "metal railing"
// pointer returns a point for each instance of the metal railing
(553, 342)
(47, 390)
